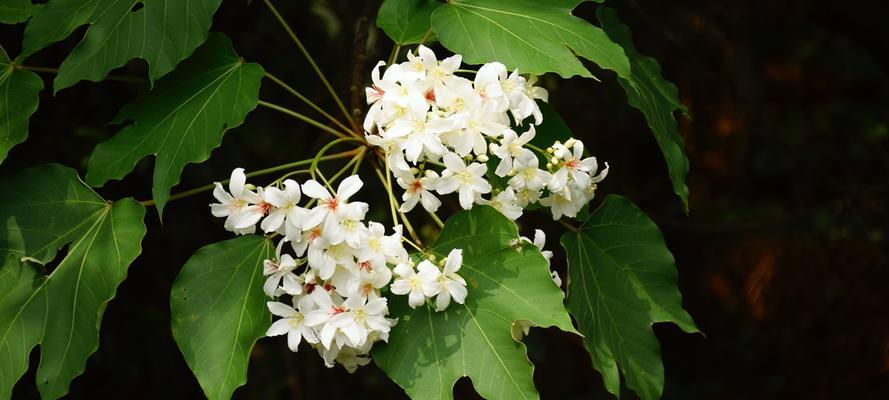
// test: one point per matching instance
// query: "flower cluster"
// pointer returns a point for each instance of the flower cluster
(425, 116)
(334, 267)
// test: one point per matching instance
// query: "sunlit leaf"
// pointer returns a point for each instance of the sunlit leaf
(44, 209)
(621, 280)
(428, 351)
(19, 91)
(219, 311)
(162, 32)
(182, 120)
(533, 36)
(656, 97)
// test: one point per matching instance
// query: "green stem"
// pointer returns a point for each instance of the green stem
(356, 161)
(311, 61)
(425, 36)
(306, 100)
(394, 55)
(436, 219)
(56, 71)
(207, 188)
(301, 117)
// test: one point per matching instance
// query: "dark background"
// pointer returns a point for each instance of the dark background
(782, 261)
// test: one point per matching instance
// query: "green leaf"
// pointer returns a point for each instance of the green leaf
(656, 97)
(533, 36)
(162, 32)
(507, 282)
(406, 21)
(16, 11)
(44, 209)
(621, 279)
(219, 311)
(20, 91)
(182, 120)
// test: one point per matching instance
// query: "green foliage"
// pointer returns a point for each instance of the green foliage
(535, 37)
(182, 120)
(406, 21)
(656, 97)
(219, 311)
(162, 32)
(16, 11)
(507, 282)
(621, 279)
(43, 209)
(19, 90)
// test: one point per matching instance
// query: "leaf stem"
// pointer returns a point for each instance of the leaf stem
(303, 118)
(394, 55)
(425, 36)
(207, 188)
(311, 61)
(56, 71)
(436, 219)
(306, 100)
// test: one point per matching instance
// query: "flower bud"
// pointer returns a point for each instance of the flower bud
(570, 142)
(415, 171)
(554, 160)
(250, 186)
(482, 158)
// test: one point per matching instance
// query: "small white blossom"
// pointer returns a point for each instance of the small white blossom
(468, 180)
(418, 286)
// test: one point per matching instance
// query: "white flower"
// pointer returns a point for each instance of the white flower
(511, 146)
(418, 286)
(566, 202)
(467, 180)
(417, 190)
(527, 174)
(573, 165)
(292, 323)
(505, 202)
(332, 209)
(380, 249)
(450, 284)
(281, 269)
(284, 203)
(328, 305)
(540, 241)
(241, 207)
(361, 315)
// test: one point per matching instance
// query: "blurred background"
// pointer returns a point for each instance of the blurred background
(782, 261)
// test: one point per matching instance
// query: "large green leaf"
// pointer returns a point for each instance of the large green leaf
(656, 97)
(507, 282)
(15, 11)
(621, 279)
(219, 311)
(182, 120)
(162, 32)
(406, 21)
(19, 96)
(44, 209)
(533, 36)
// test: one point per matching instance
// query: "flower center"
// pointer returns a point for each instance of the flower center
(464, 177)
(332, 204)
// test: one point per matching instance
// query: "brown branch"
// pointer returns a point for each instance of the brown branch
(359, 58)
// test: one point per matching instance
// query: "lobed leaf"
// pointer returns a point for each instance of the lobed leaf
(621, 279)
(182, 120)
(218, 309)
(44, 209)
(162, 32)
(656, 97)
(19, 96)
(507, 282)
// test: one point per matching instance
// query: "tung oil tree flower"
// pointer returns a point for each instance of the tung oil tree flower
(403, 226)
